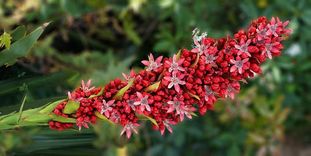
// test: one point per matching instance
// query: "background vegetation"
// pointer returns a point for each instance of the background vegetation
(100, 39)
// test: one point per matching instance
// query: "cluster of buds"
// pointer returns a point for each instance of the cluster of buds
(170, 89)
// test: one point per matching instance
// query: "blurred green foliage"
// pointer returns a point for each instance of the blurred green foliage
(100, 39)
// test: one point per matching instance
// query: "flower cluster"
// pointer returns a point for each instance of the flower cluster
(170, 89)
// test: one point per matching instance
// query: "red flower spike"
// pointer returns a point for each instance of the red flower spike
(171, 88)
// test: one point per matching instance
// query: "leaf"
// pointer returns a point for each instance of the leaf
(62, 119)
(98, 94)
(5, 40)
(21, 108)
(18, 33)
(38, 118)
(121, 92)
(71, 107)
(50, 107)
(145, 117)
(153, 87)
(20, 48)
(194, 96)
(103, 117)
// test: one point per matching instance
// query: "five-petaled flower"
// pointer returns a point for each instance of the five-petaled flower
(151, 63)
(208, 93)
(175, 64)
(238, 65)
(129, 128)
(131, 75)
(243, 47)
(175, 80)
(142, 102)
(199, 47)
(167, 124)
(86, 87)
(107, 107)
(232, 90)
(269, 48)
(210, 59)
(180, 108)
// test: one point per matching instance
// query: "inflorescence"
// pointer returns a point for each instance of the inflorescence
(170, 89)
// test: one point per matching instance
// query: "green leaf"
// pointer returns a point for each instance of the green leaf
(38, 118)
(71, 107)
(20, 48)
(145, 117)
(103, 117)
(18, 33)
(153, 87)
(21, 108)
(50, 107)
(5, 40)
(62, 119)
(121, 92)
(98, 94)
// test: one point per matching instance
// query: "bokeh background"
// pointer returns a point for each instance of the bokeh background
(100, 39)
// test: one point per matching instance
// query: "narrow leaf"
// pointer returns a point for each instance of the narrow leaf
(21, 109)
(145, 117)
(103, 117)
(121, 92)
(18, 33)
(50, 107)
(62, 119)
(153, 87)
(20, 48)
(71, 107)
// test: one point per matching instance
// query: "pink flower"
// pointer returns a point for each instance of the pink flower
(199, 47)
(232, 90)
(82, 122)
(86, 87)
(210, 59)
(272, 27)
(180, 109)
(142, 102)
(209, 94)
(106, 107)
(129, 76)
(243, 47)
(151, 64)
(238, 65)
(129, 128)
(167, 124)
(269, 48)
(175, 81)
(115, 117)
(261, 32)
(131, 104)
(73, 97)
(175, 64)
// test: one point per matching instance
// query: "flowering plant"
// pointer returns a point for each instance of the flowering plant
(168, 89)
